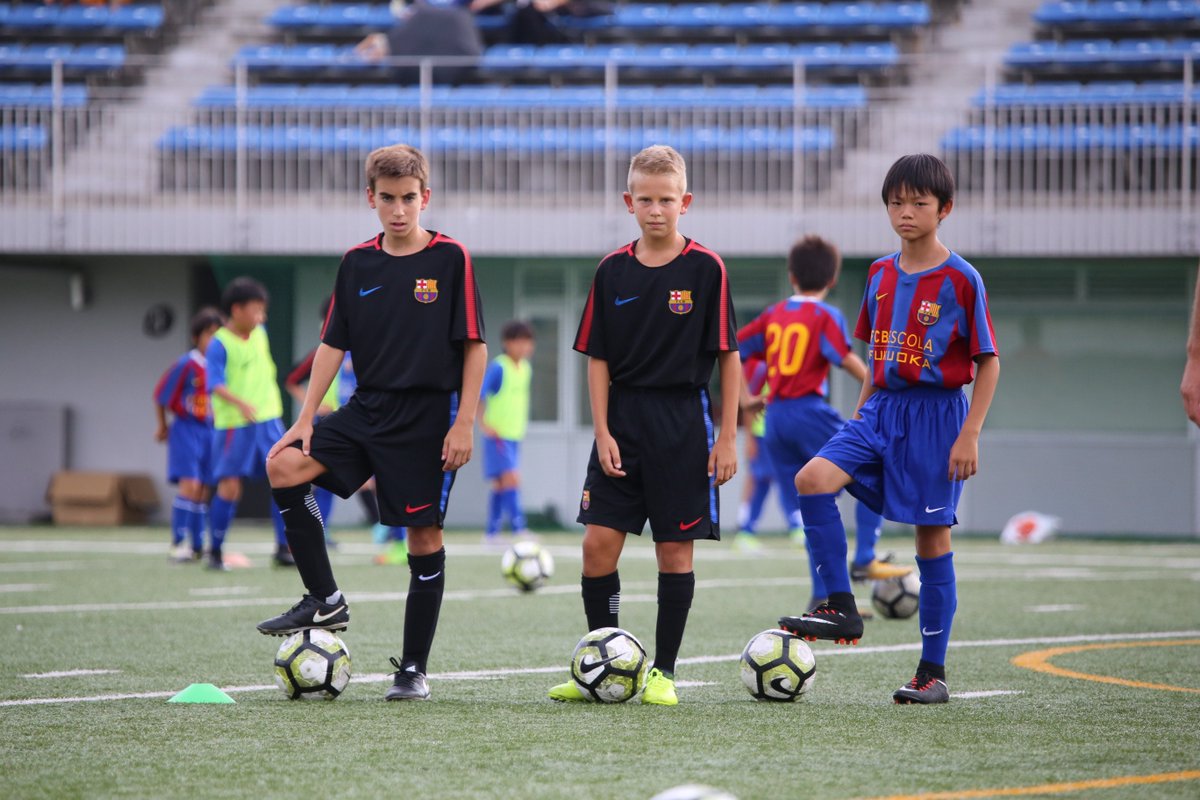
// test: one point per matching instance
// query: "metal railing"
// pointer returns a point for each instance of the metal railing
(115, 171)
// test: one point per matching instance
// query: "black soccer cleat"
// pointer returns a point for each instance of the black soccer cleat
(309, 614)
(408, 683)
(825, 622)
(923, 689)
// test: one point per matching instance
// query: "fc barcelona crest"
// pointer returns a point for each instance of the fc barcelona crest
(586, 501)
(680, 301)
(426, 290)
(928, 311)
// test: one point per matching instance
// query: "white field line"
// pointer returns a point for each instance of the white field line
(49, 566)
(494, 674)
(222, 591)
(989, 693)
(1053, 608)
(72, 673)
(12, 588)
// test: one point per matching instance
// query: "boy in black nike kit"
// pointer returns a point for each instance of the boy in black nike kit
(406, 304)
(658, 316)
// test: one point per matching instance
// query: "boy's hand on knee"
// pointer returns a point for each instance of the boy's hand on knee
(610, 456)
(964, 457)
(300, 432)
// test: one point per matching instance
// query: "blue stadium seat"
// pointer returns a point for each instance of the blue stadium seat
(1099, 93)
(76, 59)
(1061, 139)
(32, 95)
(1068, 13)
(28, 18)
(23, 138)
(1101, 51)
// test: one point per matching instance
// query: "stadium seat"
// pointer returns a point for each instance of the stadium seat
(1073, 93)
(49, 19)
(1071, 138)
(30, 95)
(76, 59)
(1129, 14)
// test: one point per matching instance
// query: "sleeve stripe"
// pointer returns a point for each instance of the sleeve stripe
(469, 290)
(723, 340)
(302, 371)
(585, 327)
(328, 315)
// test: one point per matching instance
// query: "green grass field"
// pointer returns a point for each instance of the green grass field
(76, 600)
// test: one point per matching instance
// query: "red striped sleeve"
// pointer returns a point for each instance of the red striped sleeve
(303, 370)
(723, 339)
(470, 292)
(585, 325)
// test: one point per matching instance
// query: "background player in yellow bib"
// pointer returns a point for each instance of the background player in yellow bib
(504, 419)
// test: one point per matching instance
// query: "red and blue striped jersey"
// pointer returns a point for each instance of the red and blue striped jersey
(799, 339)
(924, 329)
(659, 327)
(181, 388)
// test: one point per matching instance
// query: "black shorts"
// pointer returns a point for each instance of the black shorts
(397, 437)
(664, 436)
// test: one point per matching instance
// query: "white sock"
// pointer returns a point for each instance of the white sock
(334, 598)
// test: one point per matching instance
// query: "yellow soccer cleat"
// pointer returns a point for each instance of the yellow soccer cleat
(567, 693)
(747, 543)
(660, 690)
(877, 570)
(396, 554)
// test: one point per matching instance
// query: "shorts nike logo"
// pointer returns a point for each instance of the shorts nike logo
(365, 292)
(414, 509)
(621, 302)
(931, 633)
(929, 510)
(687, 526)
(318, 617)
(879, 297)
(588, 666)
(429, 577)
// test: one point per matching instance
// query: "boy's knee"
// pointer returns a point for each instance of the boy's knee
(820, 477)
(281, 470)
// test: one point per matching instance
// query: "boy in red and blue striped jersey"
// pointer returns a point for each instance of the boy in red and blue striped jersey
(913, 439)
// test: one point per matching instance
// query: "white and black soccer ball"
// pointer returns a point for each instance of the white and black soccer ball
(609, 665)
(313, 665)
(527, 565)
(777, 665)
(896, 598)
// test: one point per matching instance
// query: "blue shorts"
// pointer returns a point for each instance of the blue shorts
(242, 452)
(500, 456)
(189, 451)
(760, 465)
(899, 453)
(796, 429)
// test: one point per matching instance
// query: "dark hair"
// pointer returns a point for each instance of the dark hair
(516, 329)
(205, 318)
(814, 263)
(920, 173)
(242, 290)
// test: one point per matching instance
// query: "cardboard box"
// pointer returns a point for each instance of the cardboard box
(101, 498)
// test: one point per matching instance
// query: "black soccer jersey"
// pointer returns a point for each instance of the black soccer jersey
(659, 327)
(404, 318)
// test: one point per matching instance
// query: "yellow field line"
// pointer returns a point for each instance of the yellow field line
(1039, 661)
(1052, 788)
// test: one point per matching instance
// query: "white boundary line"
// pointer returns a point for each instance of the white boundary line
(494, 674)
(71, 673)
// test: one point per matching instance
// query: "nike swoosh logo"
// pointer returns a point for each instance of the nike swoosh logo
(414, 509)
(429, 577)
(929, 510)
(621, 302)
(879, 297)
(365, 292)
(931, 633)
(318, 617)
(778, 684)
(687, 526)
(588, 666)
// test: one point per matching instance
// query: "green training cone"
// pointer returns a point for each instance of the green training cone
(201, 693)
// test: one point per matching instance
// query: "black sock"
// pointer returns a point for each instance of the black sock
(844, 602)
(306, 537)
(936, 670)
(370, 505)
(675, 592)
(601, 600)
(426, 582)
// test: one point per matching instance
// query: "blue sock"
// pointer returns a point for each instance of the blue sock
(220, 514)
(866, 534)
(936, 606)
(280, 530)
(495, 509)
(512, 501)
(181, 512)
(824, 531)
(196, 525)
(818, 584)
(397, 534)
(324, 499)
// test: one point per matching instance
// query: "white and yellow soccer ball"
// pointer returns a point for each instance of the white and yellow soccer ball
(527, 565)
(313, 665)
(777, 665)
(609, 665)
(897, 598)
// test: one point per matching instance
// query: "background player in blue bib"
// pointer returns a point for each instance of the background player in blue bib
(181, 390)
(913, 440)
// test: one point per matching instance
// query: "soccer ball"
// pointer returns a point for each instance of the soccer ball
(609, 665)
(312, 665)
(777, 665)
(896, 598)
(527, 565)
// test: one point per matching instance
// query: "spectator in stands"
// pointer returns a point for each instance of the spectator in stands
(425, 29)
(539, 21)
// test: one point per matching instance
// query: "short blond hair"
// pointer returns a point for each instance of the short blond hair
(658, 159)
(397, 161)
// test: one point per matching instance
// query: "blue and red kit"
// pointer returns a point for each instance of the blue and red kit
(181, 391)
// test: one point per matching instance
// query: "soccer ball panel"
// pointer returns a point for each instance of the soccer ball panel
(312, 664)
(609, 665)
(777, 665)
(897, 598)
